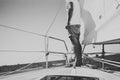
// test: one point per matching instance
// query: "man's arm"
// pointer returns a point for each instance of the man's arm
(70, 12)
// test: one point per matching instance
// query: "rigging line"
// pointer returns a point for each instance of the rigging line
(28, 64)
(5, 26)
(34, 34)
(17, 51)
(21, 30)
(104, 9)
(60, 7)
(32, 51)
(21, 67)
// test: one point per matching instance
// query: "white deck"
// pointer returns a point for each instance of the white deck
(79, 71)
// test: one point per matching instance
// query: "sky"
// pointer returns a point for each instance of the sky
(36, 16)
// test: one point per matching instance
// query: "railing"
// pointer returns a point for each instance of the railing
(105, 61)
(46, 48)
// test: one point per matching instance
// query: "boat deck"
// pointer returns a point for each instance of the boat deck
(78, 71)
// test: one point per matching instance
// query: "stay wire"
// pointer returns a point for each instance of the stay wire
(9, 27)
(5, 26)
(32, 51)
(50, 26)
(22, 67)
(17, 51)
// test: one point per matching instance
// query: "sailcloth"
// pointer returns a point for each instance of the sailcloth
(101, 20)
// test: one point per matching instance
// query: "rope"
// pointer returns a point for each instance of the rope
(21, 68)
(32, 51)
(34, 34)
(54, 19)
(29, 63)
(83, 48)
(21, 30)
(104, 5)
(5, 26)
(17, 51)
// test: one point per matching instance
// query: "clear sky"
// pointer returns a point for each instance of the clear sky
(36, 16)
(30, 15)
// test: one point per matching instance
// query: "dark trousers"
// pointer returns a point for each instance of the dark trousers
(77, 50)
(74, 37)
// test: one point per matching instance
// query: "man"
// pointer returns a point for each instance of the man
(73, 27)
(70, 12)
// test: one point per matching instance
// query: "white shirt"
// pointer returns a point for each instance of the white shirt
(76, 12)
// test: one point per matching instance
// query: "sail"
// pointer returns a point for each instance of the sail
(100, 20)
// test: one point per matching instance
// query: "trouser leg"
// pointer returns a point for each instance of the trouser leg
(74, 31)
(77, 49)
